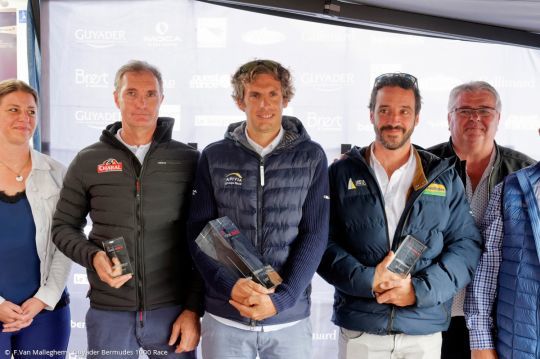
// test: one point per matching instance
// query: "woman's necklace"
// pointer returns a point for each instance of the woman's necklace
(19, 177)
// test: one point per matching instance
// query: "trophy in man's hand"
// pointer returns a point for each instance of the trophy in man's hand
(408, 253)
(117, 253)
(221, 240)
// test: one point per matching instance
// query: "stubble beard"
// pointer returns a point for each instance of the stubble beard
(391, 143)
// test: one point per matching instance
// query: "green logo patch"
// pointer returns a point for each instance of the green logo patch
(435, 189)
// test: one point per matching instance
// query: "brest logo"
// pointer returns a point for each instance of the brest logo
(233, 179)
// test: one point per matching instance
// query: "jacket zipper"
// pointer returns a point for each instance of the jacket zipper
(138, 253)
(260, 187)
(140, 237)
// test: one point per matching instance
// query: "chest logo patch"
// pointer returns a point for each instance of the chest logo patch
(110, 165)
(352, 185)
(435, 189)
(233, 179)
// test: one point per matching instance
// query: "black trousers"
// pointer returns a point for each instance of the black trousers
(455, 341)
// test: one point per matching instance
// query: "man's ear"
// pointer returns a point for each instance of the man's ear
(115, 94)
(241, 105)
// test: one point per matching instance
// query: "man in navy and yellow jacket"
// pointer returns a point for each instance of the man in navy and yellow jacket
(380, 194)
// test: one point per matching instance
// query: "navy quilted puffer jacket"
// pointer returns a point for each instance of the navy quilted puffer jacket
(279, 201)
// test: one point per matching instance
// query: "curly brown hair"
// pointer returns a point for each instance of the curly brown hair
(246, 74)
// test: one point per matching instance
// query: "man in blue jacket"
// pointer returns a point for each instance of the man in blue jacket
(270, 179)
(380, 194)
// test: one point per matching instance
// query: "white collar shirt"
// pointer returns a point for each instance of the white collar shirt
(394, 189)
(263, 151)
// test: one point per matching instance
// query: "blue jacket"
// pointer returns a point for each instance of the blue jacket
(518, 313)
(284, 213)
(436, 213)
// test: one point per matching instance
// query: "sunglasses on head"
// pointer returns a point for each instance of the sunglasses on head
(396, 75)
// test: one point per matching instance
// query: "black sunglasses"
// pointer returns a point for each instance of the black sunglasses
(396, 75)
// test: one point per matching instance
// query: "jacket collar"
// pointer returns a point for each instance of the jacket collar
(419, 179)
(162, 133)
(449, 151)
(294, 133)
(428, 166)
(38, 161)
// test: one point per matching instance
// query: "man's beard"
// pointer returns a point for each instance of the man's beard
(389, 144)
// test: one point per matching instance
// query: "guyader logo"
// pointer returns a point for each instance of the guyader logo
(110, 165)
(233, 179)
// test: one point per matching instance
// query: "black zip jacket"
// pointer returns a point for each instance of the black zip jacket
(147, 205)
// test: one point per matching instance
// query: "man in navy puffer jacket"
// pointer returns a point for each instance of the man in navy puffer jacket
(271, 180)
(380, 194)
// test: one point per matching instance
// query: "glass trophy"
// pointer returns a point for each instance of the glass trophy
(221, 240)
(117, 253)
(408, 253)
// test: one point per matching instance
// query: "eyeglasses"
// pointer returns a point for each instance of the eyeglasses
(483, 112)
(396, 75)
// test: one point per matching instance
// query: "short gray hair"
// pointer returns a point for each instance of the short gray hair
(473, 86)
(138, 66)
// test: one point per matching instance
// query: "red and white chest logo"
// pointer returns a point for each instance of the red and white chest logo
(110, 165)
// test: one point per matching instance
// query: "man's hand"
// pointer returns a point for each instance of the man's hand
(256, 307)
(252, 300)
(244, 288)
(484, 354)
(398, 292)
(31, 307)
(382, 274)
(188, 327)
(103, 268)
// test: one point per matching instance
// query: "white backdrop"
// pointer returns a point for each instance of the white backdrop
(198, 46)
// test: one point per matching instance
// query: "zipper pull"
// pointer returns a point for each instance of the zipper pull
(261, 170)
(137, 188)
(141, 318)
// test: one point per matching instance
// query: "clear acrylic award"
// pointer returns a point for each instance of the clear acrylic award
(408, 253)
(221, 240)
(117, 253)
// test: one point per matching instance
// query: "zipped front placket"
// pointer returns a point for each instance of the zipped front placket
(260, 188)
(139, 251)
(140, 239)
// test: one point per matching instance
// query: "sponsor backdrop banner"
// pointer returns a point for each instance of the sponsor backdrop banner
(8, 44)
(198, 46)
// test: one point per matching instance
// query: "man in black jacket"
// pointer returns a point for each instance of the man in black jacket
(474, 111)
(134, 183)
